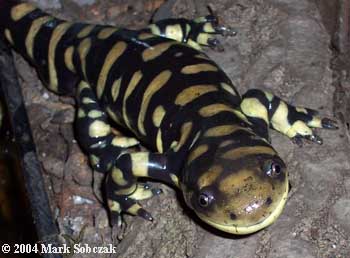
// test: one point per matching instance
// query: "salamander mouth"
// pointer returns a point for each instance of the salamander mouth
(244, 230)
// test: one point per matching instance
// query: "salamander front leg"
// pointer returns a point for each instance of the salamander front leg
(295, 122)
(98, 139)
(123, 190)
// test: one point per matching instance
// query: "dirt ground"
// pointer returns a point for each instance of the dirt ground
(296, 49)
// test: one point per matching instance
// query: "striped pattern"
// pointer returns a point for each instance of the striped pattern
(200, 134)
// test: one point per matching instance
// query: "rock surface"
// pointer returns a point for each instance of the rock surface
(282, 46)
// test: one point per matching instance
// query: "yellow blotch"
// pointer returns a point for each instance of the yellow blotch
(194, 44)
(301, 110)
(201, 56)
(115, 88)
(240, 152)
(252, 107)
(134, 209)
(203, 38)
(154, 29)
(222, 130)
(141, 193)
(114, 206)
(94, 160)
(185, 132)
(159, 142)
(68, 58)
(157, 83)
(298, 127)
(174, 32)
(87, 100)
(33, 31)
(188, 29)
(268, 95)
(175, 179)
(279, 119)
(208, 27)
(315, 122)
(197, 68)
(214, 109)
(86, 31)
(226, 143)
(106, 33)
(8, 36)
(158, 115)
(95, 114)
(197, 152)
(126, 191)
(21, 10)
(209, 177)
(235, 182)
(116, 51)
(109, 165)
(81, 113)
(144, 36)
(140, 164)
(118, 177)
(83, 50)
(155, 51)
(173, 144)
(201, 19)
(124, 142)
(99, 129)
(135, 79)
(240, 115)
(56, 36)
(82, 85)
(191, 93)
(228, 88)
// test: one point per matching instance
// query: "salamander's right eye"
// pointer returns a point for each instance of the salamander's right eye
(273, 169)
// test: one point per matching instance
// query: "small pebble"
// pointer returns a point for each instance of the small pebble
(81, 200)
(83, 2)
(49, 4)
(46, 95)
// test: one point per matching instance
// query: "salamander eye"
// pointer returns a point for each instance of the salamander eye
(273, 169)
(204, 200)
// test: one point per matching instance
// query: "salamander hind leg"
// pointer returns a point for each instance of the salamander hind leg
(205, 29)
(197, 33)
(296, 123)
(302, 121)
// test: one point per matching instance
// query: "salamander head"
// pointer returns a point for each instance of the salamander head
(236, 189)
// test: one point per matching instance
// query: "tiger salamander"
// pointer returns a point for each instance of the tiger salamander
(201, 136)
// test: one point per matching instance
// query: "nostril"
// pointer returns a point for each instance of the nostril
(268, 201)
(233, 216)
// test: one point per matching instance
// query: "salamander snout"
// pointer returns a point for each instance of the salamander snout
(241, 195)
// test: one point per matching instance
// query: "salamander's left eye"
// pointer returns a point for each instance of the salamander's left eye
(204, 200)
(273, 169)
